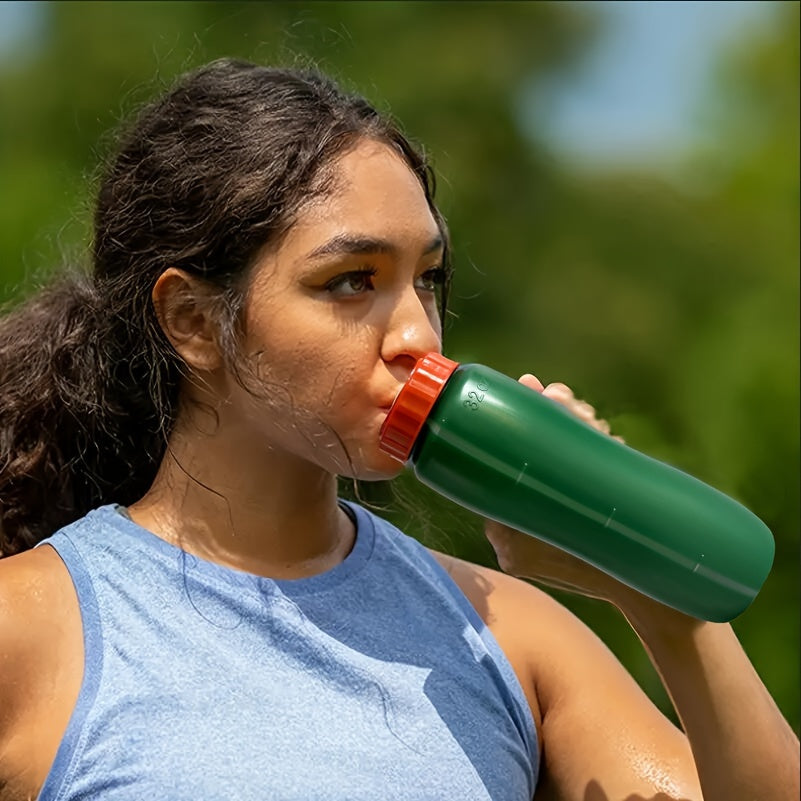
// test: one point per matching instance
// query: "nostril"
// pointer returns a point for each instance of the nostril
(413, 331)
(400, 368)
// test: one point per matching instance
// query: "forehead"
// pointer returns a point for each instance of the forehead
(372, 192)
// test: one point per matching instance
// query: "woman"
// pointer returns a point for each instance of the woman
(212, 623)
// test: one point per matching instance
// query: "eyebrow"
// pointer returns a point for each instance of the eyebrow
(358, 245)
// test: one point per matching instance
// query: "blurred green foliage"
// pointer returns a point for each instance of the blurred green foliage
(672, 305)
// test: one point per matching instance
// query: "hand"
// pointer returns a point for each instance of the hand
(561, 393)
(528, 557)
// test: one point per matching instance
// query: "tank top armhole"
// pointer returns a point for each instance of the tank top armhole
(72, 741)
(526, 724)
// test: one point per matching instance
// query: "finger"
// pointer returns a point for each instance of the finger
(583, 409)
(532, 382)
(558, 391)
(561, 393)
(588, 414)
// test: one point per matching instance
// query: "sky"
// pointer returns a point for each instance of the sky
(637, 94)
(18, 21)
(634, 99)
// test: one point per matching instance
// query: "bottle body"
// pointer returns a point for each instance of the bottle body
(500, 449)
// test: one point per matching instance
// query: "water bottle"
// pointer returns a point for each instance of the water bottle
(502, 450)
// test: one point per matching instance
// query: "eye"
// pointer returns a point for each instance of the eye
(352, 283)
(431, 280)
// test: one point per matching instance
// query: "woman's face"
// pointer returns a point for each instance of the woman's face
(339, 313)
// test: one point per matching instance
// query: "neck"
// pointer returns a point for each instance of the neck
(270, 514)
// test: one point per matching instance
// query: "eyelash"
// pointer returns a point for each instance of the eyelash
(363, 273)
(436, 275)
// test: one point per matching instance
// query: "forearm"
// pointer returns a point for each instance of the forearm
(744, 749)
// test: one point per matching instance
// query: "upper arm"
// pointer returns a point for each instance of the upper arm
(41, 664)
(601, 736)
(601, 732)
(16, 650)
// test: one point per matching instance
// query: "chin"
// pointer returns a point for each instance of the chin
(382, 467)
(383, 475)
(366, 461)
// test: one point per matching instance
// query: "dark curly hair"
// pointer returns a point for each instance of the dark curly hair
(205, 177)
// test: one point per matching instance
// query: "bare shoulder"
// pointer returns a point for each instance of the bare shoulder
(30, 583)
(41, 664)
(535, 631)
(553, 652)
(35, 598)
(496, 596)
(520, 616)
(587, 707)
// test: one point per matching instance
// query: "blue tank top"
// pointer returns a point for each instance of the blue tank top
(375, 680)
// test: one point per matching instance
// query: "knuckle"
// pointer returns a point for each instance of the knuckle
(559, 388)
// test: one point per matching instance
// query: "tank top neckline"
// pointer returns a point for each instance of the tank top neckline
(205, 570)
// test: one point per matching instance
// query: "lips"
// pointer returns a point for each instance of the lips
(387, 405)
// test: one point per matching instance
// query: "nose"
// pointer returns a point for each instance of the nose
(413, 330)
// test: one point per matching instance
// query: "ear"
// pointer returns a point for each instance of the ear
(186, 315)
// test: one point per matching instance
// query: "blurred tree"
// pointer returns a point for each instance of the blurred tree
(674, 307)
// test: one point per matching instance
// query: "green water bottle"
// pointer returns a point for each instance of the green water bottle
(511, 454)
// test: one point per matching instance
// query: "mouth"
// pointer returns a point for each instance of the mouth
(391, 402)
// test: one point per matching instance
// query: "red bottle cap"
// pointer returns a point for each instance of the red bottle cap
(415, 400)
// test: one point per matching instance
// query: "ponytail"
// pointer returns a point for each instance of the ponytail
(71, 436)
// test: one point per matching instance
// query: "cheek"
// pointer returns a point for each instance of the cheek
(328, 377)
(315, 379)
(320, 407)
(310, 335)
(309, 364)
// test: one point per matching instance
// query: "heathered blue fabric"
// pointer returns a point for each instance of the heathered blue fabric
(373, 681)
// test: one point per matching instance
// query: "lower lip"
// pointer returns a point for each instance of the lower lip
(384, 412)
